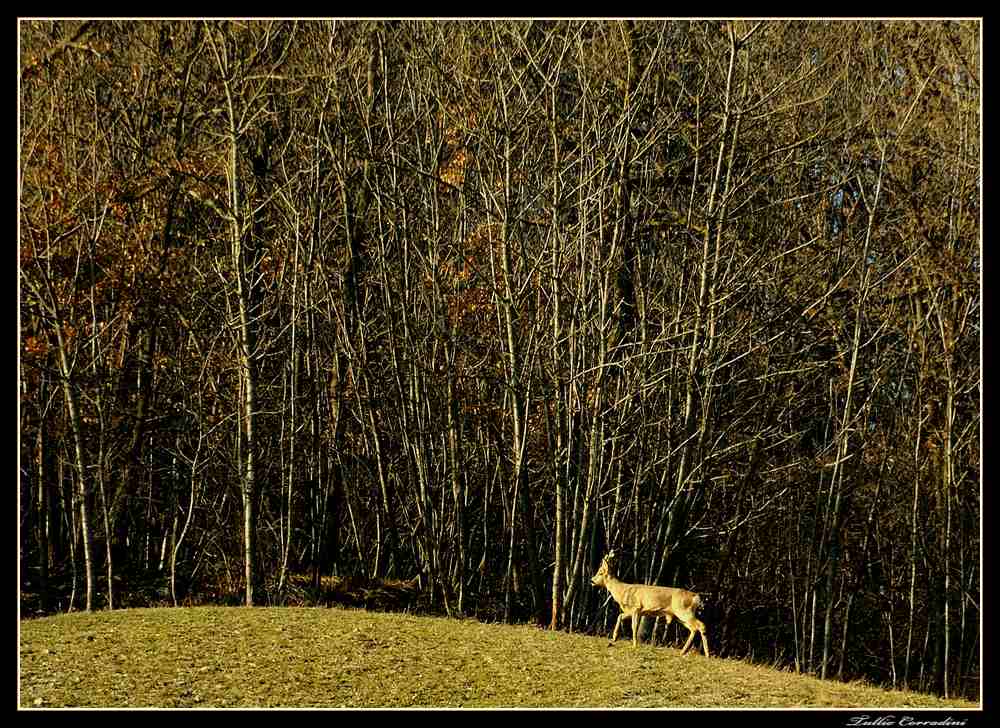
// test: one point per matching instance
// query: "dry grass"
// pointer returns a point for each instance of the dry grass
(307, 657)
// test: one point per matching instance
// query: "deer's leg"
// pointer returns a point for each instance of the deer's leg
(695, 626)
(667, 619)
(636, 617)
(691, 633)
(618, 624)
(688, 643)
(704, 637)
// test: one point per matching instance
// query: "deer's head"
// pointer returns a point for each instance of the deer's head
(607, 565)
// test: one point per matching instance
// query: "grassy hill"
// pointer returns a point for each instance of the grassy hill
(308, 657)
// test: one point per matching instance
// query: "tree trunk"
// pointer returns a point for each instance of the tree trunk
(83, 492)
(44, 509)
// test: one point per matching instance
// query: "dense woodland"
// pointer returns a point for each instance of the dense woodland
(477, 301)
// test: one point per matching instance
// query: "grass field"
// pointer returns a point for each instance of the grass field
(214, 657)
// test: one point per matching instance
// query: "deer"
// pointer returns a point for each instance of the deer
(639, 600)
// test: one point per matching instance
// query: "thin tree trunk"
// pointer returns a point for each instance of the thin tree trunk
(81, 470)
(286, 546)
(243, 268)
(836, 477)
(947, 542)
(892, 649)
(69, 497)
(518, 397)
(795, 623)
(44, 506)
(913, 555)
(107, 527)
(457, 491)
(187, 520)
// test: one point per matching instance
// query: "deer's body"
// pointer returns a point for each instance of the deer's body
(640, 600)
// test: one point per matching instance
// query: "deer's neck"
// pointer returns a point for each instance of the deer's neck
(616, 587)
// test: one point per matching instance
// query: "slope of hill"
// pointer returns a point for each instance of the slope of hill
(309, 657)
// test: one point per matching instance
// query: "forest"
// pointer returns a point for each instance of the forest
(474, 302)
